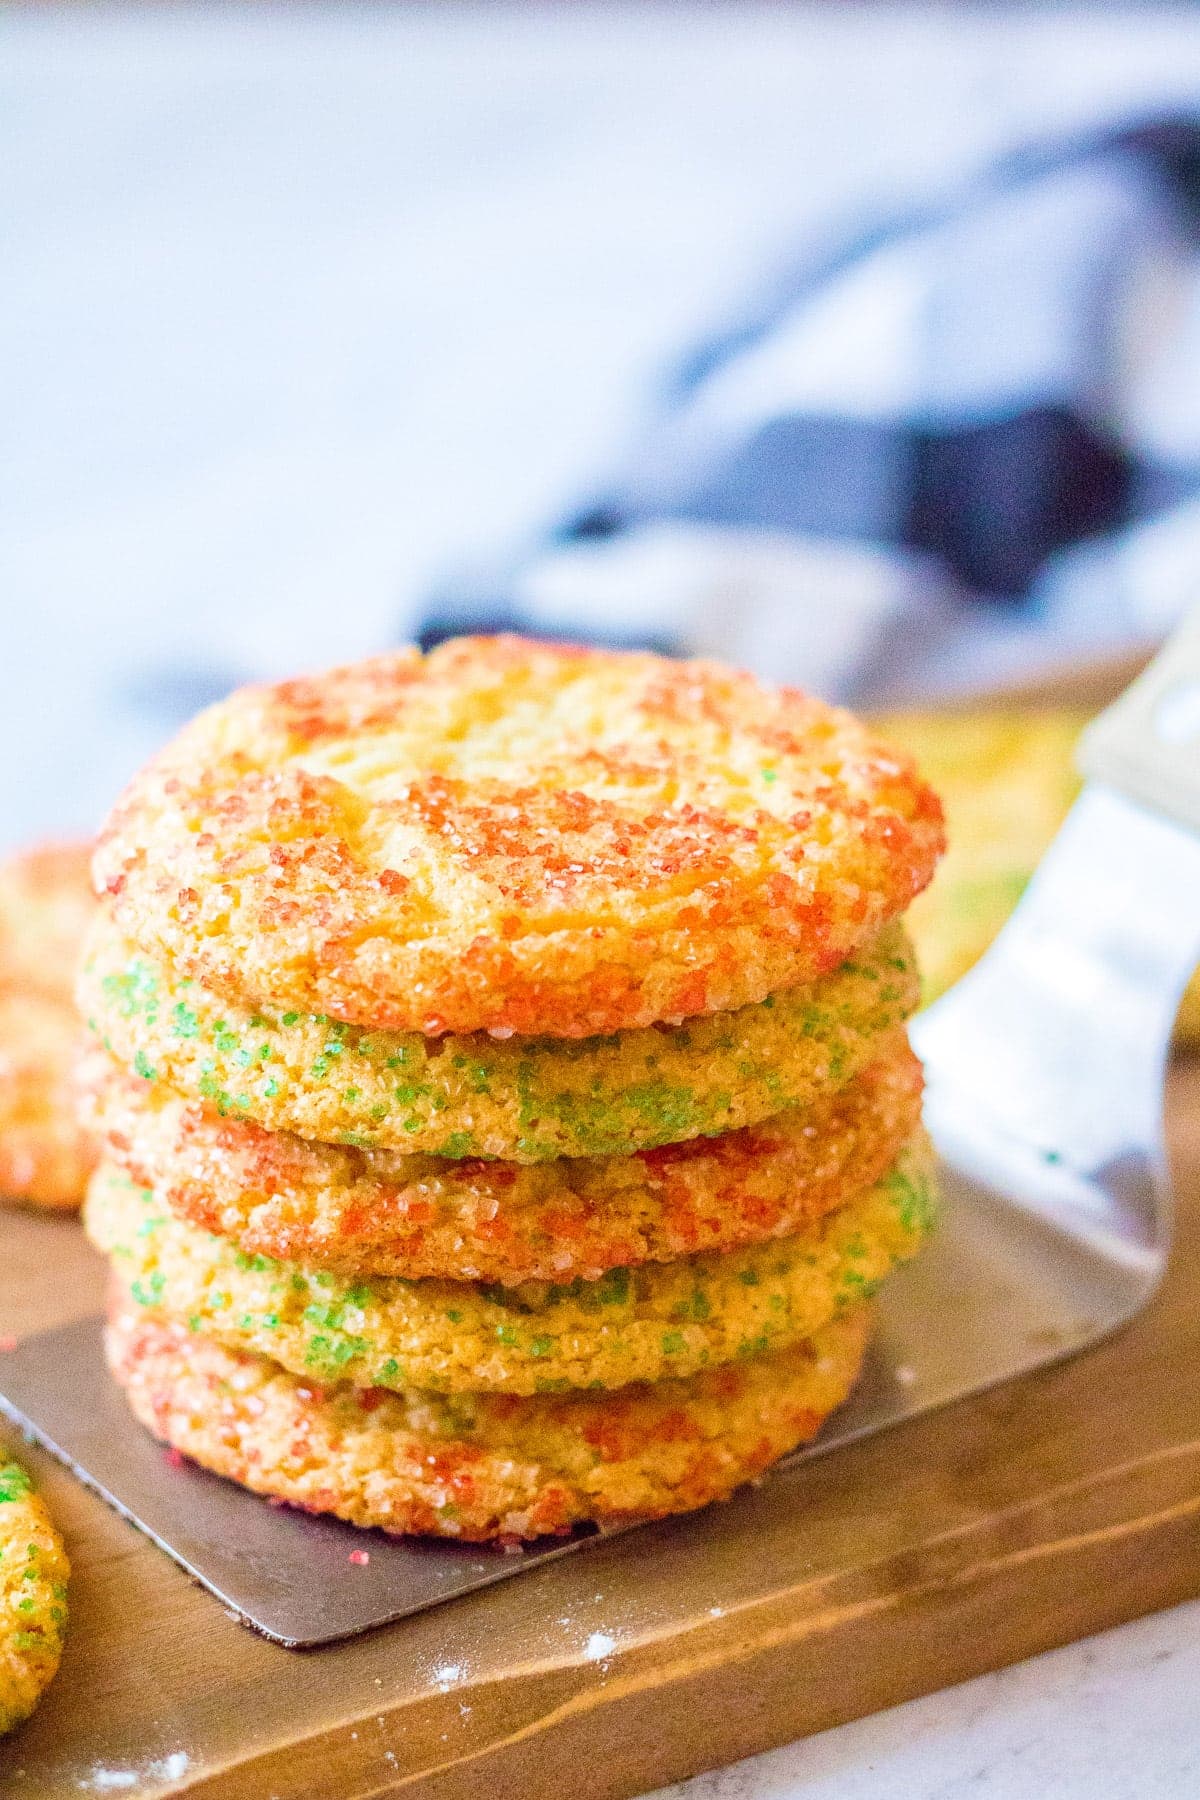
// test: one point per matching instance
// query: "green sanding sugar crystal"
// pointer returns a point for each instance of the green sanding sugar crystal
(14, 1482)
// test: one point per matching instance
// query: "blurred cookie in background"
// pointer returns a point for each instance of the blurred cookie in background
(45, 1157)
(45, 907)
(1006, 776)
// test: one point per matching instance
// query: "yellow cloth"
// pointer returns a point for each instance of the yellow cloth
(1006, 777)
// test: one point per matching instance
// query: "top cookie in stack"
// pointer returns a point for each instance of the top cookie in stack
(442, 970)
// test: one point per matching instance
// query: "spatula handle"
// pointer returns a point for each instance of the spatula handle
(1147, 744)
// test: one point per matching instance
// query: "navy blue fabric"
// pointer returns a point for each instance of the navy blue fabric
(993, 442)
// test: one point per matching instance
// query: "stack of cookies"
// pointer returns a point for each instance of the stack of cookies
(502, 1082)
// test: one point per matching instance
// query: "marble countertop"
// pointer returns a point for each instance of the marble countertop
(303, 308)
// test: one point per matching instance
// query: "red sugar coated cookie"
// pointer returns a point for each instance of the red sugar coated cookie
(480, 1466)
(516, 837)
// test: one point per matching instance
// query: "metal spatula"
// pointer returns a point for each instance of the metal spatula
(1045, 1069)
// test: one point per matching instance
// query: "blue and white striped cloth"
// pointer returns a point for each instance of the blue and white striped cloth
(950, 444)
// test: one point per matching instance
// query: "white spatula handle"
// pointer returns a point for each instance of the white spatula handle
(1147, 744)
